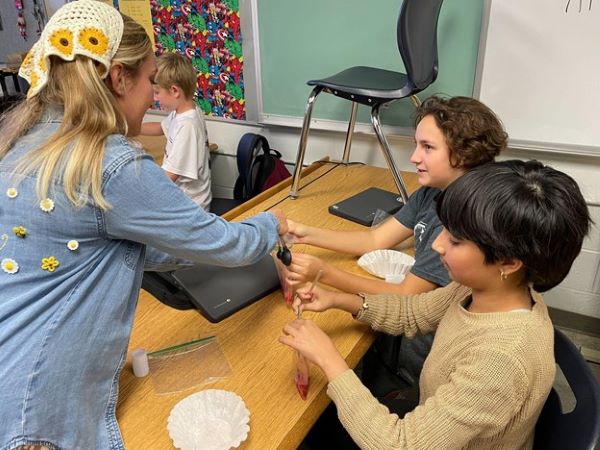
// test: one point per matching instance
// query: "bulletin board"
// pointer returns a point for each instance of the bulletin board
(208, 33)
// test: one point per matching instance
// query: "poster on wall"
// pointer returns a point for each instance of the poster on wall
(208, 33)
(138, 10)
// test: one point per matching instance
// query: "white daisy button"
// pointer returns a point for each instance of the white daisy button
(72, 245)
(9, 265)
(12, 192)
(47, 205)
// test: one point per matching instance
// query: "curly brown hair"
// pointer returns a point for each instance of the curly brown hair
(473, 132)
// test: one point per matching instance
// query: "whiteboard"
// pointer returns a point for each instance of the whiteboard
(539, 70)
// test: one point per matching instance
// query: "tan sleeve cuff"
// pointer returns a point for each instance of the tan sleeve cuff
(346, 388)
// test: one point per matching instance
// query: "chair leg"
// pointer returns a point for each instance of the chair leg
(416, 101)
(349, 133)
(388, 154)
(303, 138)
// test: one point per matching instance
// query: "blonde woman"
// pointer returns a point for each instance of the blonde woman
(82, 211)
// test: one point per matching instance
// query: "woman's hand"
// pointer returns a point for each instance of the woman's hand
(306, 337)
(283, 222)
(304, 268)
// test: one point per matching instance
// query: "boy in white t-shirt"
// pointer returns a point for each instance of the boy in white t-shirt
(186, 160)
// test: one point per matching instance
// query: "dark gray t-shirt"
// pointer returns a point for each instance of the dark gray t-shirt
(419, 215)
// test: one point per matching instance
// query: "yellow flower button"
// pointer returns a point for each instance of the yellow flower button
(20, 231)
(9, 265)
(72, 245)
(50, 263)
(62, 40)
(12, 192)
(94, 40)
(47, 205)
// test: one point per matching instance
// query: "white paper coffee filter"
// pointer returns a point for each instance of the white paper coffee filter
(382, 263)
(209, 420)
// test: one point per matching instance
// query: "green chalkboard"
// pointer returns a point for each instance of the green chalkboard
(302, 40)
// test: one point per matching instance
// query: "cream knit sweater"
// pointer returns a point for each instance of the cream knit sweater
(482, 387)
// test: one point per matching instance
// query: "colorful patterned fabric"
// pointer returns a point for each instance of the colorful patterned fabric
(208, 33)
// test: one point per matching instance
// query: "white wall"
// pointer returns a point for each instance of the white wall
(12, 42)
(580, 292)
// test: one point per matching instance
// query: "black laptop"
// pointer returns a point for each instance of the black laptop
(362, 207)
(216, 292)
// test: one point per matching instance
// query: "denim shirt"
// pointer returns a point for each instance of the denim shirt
(66, 313)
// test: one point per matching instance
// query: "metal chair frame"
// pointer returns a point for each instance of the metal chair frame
(417, 44)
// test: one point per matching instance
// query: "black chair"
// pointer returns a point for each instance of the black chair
(417, 42)
(8, 101)
(580, 428)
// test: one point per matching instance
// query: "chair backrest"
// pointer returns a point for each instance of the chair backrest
(416, 33)
(580, 428)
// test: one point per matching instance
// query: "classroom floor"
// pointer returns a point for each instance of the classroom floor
(589, 345)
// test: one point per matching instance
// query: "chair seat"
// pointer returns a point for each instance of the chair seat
(367, 85)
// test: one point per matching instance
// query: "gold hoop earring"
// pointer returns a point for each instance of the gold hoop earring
(503, 276)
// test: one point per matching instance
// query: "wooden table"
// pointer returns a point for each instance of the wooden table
(262, 368)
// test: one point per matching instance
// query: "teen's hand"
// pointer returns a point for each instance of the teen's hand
(317, 300)
(298, 230)
(320, 299)
(283, 222)
(303, 269)
(306, 337)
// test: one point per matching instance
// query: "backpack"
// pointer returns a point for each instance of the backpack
(259, 167)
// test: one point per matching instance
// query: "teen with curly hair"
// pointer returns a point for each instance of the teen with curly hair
(510, 230)
(452, 136)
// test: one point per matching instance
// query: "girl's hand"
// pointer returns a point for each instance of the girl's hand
(303, 269)
(298, 230)
(317, 300)
(306, 337)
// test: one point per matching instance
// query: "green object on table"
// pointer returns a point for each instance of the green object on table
(181, 346)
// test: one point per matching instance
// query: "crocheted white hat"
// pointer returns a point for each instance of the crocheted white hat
(83, 27)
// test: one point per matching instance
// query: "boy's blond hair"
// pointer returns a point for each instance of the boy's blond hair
(175, 70)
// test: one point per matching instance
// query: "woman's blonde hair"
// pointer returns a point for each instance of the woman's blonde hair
(74, 153)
